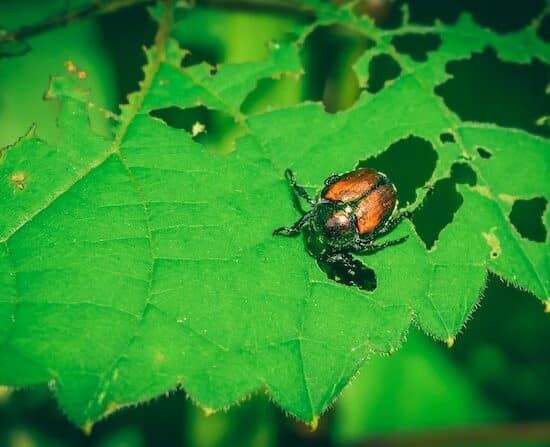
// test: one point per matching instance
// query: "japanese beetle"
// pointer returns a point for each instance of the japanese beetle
(352, 211)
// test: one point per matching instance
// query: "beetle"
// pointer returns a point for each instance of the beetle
(352, 211)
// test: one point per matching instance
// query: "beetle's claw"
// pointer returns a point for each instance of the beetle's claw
(279, 231)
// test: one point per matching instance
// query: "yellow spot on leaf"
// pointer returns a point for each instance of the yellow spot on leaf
(493, 242)
(208, 411)
(82, 74)
(507, 198)
(115, 374)
(483, 190)
(18, 179)
(547, 306)
(198, 128)
(159, 357)
(450, 342)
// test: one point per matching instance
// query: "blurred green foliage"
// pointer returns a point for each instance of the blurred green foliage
(498, 370)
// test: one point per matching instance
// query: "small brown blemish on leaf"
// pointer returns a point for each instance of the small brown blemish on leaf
(507, 198)
(18, 179)
(71, 67)
(493, 242)
(450, 342)
(483, 190)
(197, 129)
(82, 74)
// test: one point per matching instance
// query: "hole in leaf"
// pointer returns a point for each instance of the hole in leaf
(329, 54)
(439, 207)
(447, 137)
(526, 217)
(416, 46)
(463, 173)
(382, 68)
(270, 94)
(409, 163)
(485, 89)
(215, 130)
(361, 276)
(543, 30)
(427, 11)
(199, 54)
(124, 33)
(504, 15)
(437, 211)
(500, 15)
(233, 32)
(484, 153)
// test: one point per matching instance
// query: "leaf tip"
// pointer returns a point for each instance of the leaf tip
(450, 342)
(314, 424)
(87, 428)
(208, 411)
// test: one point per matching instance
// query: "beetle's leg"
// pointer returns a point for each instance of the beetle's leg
(392, 223)
(370, 247)
(295, 228)
(297, 188)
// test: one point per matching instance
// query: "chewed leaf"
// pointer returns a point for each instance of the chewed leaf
(135, 264)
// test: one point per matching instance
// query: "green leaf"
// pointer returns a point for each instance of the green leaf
(133, 264)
